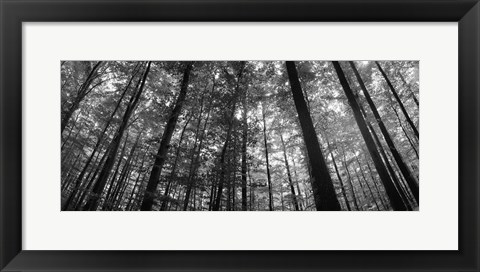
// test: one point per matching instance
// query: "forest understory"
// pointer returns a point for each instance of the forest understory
(239, 135)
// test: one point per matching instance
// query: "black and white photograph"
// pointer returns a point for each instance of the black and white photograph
(240, 135)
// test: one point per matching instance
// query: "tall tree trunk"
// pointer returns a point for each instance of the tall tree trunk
(299, 192)
(269, 179)
(93, 201)
(212, 191)
(385, 159)
(161, 156)
(339, 177)
(110, 198)
(402, 107)
(244, 150)
(137, 181)
(350, 183)
(366, 182)
(386, 135)
(379, 192)
(102, 135)
(322, 185)
(81, 93)
(234, 172)
(195, 161)
(89, 182)
(163, 207)
(64, 141)
(410, 141)
(111, 183)
(216, 206)
(292, 189)
(409, 88)
(281, 197)
(394, 196)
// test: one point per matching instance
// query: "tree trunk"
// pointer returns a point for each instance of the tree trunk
(394, 196)
(322, 185)
(89, 182)
(161, 156)
(350, 183)
(137, 181)
(100, 138)
(93, 201)
(163, 207)
(244, 151)
(81, 93)
(299, 192)
(195, 161)
(379, 192)
(339, 177)
(111, 183)
(110, 198)
(366, 182)
(386, 135)
(402, 107)
(409, 88)
(270, 196)
(216, 206)
(405, 132)
(292, 189)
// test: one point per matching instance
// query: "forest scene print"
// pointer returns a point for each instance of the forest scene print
(239, 135)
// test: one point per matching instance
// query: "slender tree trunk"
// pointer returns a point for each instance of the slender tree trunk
(111, 183)
(408, 88)
(195, 162)
(193, 157)
(70, 132)
(405, 132)
(281, 197)
(339, 178)
(137, 181)
(394, 196)
(89, 182)
(386, 135)
(301, 199)
(402, 107)
(163, 207)
(216, 206)
(295, 202)
(270, 196)
(81, 93)
(228, 206)
(251, 196)
(244, 150)
(366, 182)
(67, 180)
(212, 192)
(350, 183)
(102, 135)
(322, 185)
(93, 201)
(234, 172)
(385, 159)
(110, 198)
(161, 156)
(379, 192)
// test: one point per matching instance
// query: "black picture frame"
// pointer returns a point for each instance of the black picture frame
(15, 12)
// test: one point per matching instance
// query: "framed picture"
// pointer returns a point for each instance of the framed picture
(239, 135)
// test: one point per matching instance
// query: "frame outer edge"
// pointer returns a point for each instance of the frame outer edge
(10, 134)
(469, 137)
